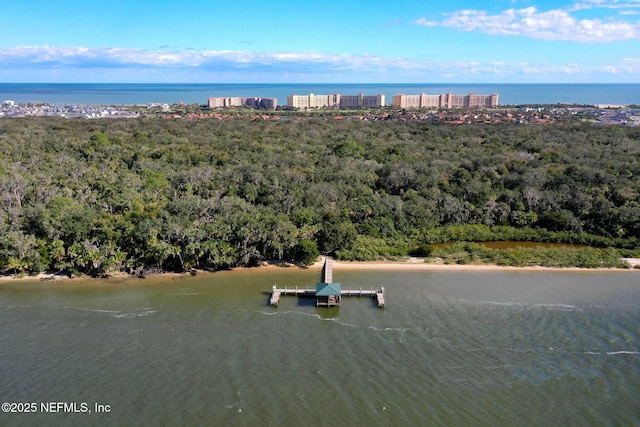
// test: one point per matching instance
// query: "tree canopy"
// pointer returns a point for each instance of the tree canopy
(96, 196)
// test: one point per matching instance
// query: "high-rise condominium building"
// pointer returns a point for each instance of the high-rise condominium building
(447, 100)
(236, 101)
(337, 100)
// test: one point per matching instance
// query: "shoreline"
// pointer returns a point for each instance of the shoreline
(413, 264)
(418, 264)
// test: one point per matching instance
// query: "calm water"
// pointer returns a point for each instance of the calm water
(451, 348)
(142, 94)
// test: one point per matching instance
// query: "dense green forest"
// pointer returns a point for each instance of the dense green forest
(99, 196)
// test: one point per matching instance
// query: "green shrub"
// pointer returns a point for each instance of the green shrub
(422, 251)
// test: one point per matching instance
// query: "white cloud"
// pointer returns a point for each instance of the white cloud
(125, 57)
(607, 4)
(424, 22)
(116, 64)
(556, 24)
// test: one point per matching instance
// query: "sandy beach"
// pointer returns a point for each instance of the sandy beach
(419, 264)
(415, 264)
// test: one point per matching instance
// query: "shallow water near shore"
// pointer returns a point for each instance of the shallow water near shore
(451, 348)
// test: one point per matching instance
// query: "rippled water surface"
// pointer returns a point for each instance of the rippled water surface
(451, 348)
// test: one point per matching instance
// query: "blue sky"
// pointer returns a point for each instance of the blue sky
(327, 41)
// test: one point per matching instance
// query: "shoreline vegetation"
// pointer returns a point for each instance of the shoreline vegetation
(107, 198)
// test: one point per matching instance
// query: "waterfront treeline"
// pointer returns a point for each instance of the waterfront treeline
(100, 196)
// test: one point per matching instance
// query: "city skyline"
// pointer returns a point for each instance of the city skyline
(500, 41)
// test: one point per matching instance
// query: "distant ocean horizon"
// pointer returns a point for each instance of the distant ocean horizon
(189, 93)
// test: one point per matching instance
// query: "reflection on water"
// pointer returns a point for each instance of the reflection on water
(451, 347)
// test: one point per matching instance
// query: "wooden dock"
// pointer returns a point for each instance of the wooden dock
(328, 293)
(378, 294)
(327, 271)
(276, 293)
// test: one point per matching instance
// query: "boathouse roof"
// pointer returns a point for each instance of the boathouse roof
(327, 289)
